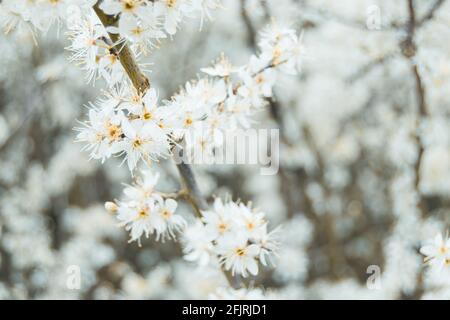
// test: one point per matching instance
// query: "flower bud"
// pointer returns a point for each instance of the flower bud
(111, 207)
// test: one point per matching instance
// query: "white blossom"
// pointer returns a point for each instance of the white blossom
(437, 251)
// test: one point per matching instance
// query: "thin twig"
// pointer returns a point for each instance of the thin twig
(194, 195)
(430, 15)
(409, 50)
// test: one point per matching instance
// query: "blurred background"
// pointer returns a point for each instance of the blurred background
(364, 177)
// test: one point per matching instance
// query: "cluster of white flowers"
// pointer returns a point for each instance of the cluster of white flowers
(134, 124)
(126, 122)
(140, 24)
(145, 211)
(92, 50)
(38, 14)
(143, 22)
(231, 95)
(232, 234)
(139, 21)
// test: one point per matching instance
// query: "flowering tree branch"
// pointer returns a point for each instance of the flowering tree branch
(142, 84)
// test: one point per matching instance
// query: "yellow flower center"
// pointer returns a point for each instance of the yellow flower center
(147, 115)
(129, 4)
(222, 227)
(166, 214)
(143, 213)
(137, 31)
(259, 78)
(114, 131)
(137, 143)
(171, 3)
